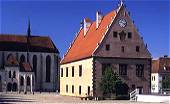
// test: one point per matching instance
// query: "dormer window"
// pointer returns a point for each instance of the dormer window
(122, 35)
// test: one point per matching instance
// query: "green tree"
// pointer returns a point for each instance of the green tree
(108, 82)
(166, 82)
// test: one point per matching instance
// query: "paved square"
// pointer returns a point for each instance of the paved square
(54, 98)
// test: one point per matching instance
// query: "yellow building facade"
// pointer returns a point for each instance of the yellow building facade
(76, 78)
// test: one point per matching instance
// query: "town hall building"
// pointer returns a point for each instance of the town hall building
(112, 40)
(28, 63)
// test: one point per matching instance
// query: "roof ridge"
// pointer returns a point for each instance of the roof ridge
(21, 35)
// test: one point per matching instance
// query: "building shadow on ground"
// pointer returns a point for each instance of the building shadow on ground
(10, 100)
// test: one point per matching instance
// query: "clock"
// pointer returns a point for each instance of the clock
(122, 23)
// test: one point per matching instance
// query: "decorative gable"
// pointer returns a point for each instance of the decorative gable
(123, 38)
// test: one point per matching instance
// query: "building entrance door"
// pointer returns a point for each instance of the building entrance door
(14, 87)
(9, 87)
(140, 90)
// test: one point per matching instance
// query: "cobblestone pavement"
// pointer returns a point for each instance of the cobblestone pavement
(54, 98)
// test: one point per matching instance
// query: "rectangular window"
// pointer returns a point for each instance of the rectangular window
(72, 71)
(129, 35)
(61, 72)
(67, 88)
(137, 48)
(66, 71)
(79, 90)
(139, 70)
(80, 70)
(72, 88)
(115, 34)
(123, 69)
(104, 66)
(88, 92)
(107, 47)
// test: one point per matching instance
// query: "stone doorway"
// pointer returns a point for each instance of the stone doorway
(14, 87)
(9, 87)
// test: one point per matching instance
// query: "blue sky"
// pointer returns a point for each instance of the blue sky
(61, 19)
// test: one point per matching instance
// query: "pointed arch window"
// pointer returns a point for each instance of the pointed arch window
(48, 68)
(22, 59)
(9, 73)
(9, 56)
(14, 74)
(35, 64)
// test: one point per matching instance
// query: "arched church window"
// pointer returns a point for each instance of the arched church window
(22, 59)
(28, 81)
(9, 56)
(9, 74)
(32, 81)
(48, 68)
(35, 64)
(14, 74)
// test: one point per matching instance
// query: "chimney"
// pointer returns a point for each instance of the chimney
(87, 23)
(98, 18)
(165, 56)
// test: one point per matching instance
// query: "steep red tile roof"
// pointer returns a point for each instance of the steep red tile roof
(84, 46)
(19, 42)
(161, 65)
(155, 66)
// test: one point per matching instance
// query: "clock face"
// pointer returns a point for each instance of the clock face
(122, 23)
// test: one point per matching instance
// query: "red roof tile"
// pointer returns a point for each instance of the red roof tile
(161, 65)
(84, 46)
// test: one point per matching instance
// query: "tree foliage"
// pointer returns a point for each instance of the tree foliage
(166, 83)
(108, 81)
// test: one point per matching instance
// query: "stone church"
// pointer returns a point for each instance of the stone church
(28, 63)
(112, 40)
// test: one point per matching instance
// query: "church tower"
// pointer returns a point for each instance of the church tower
(28, 39)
